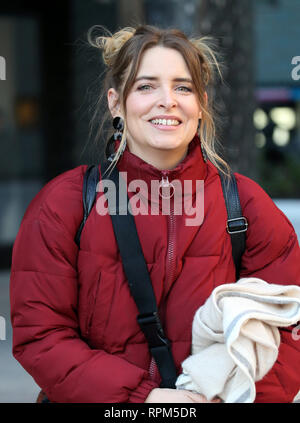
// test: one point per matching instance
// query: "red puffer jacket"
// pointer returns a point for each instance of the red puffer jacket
(74, 320)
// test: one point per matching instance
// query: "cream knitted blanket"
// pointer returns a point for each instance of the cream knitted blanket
(235, 338)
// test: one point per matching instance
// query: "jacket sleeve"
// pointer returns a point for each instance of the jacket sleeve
(272, 254)
(46, 335)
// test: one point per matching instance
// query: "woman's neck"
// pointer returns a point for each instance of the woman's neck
(160, 159)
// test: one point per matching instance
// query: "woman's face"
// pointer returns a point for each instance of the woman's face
(162, 108)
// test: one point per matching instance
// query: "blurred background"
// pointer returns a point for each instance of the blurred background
(49, 80)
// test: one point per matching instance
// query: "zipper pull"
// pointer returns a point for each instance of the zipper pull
(164, 183)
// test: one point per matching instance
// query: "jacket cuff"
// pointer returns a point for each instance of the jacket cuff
(142, 391)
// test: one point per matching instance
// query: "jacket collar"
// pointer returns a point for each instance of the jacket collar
(192, 167)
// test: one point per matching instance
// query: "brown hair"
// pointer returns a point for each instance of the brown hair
(122, 53)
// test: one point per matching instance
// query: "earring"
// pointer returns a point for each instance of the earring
(118, 124)
(201, 145)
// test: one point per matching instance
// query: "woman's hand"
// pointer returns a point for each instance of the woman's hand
(166, 395)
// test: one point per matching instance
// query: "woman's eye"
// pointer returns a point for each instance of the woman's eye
(144, 87)
(184, 89)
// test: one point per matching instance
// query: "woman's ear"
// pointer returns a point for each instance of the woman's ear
(113, 102)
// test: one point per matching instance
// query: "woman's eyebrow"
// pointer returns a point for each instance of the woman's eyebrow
(151, 78)
(154, 78)
(183, 80)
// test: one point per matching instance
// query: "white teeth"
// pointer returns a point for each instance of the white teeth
(167, 122)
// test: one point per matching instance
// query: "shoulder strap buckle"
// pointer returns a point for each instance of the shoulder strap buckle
(237, 225)
(152, 328)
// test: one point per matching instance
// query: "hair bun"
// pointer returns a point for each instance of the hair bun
(112, 44)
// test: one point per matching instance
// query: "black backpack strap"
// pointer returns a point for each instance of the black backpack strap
(90, 181)
(237, 224)
(135, 269)
(140, 285)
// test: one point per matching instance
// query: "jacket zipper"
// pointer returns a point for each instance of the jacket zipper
(170, 265)
(152, 369)
(171, 262)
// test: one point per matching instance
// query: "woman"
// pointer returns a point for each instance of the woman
(74, 319)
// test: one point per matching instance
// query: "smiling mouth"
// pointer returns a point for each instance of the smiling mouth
(165, 122)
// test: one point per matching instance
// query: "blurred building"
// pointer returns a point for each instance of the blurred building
(52, 78)
(277, 118)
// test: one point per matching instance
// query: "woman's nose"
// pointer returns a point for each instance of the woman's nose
(167, 98)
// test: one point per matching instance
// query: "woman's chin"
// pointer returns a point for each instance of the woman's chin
(167, 144)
